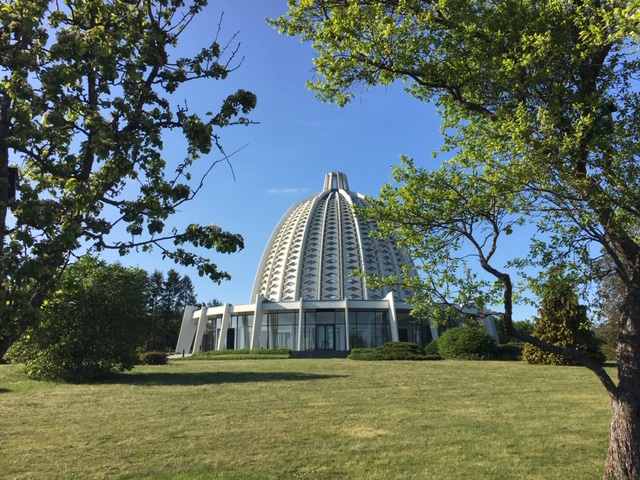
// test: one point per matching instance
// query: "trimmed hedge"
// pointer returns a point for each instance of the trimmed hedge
(467, 343)
(242, 353)
(153, 358)
(392, 351)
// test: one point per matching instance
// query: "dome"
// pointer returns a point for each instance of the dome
(318, 244)
(304, 297)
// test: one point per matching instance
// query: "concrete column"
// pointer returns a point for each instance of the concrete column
(346, 324)
(224, 327)
(434, 330)
(490, 327)
(257, 323)
(187, 330)
(393, 319)
(202, 327)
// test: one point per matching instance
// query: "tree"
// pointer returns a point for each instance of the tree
(90, 327)
(85, 101)
(562, 322)
(167, 301)
(539, 102)
(214, 303)
(155, 284)
(177, 293)
(610, 293)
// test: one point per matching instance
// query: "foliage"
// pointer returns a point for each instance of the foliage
(86, 92)
(390, 351)
(167, 300)
(611, 294)
(153, 358)
(432, 347)
(90, 327)
(607, 335)
(562, 322)
(509, 351)
(540, 104)
(525, 326)
(466, 343)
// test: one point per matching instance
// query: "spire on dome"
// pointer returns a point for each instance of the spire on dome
(336, 181)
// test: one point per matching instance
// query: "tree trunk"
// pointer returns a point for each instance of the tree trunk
(623, 459)
(5, 343)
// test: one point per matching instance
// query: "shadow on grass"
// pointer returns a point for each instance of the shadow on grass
(210, 378)
(4, 390)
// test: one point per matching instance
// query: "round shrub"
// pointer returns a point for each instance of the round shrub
(153, 358)
(432, 348)
(468, 343)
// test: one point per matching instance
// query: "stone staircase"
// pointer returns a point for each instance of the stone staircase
(320, 354)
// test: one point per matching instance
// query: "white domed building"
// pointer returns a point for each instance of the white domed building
(304, 296)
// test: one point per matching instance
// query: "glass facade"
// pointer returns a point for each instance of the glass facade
(368, 328)
(412, 329)
(211, 333)
(239, 333)
(279, 330)
(324, 330)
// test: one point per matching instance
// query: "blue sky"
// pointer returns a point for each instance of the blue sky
(297, 141)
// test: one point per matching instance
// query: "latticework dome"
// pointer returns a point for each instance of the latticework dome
(318, 244)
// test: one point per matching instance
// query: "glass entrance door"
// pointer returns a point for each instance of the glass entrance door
(326, 335)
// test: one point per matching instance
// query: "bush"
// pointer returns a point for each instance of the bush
(467, 343)
(90, 326)
(391, 351)
(362, 354)
(432, 348)
(153, 358)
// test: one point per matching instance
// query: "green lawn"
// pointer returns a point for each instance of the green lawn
(315, 419)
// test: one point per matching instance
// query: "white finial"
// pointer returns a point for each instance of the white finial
(335, 181)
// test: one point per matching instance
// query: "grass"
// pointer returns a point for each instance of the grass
(312, 419)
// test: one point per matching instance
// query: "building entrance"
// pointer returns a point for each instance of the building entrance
(326, 335)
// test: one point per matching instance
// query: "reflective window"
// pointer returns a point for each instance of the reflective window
(210, 339)
(279, 330)
(368, 328)
(412, 329)
(239, 332)
(324, 330)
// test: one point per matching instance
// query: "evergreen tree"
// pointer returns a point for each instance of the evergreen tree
(562, 322)
(171, 292)
(186, 295)
(155, 287)
(168, 296)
